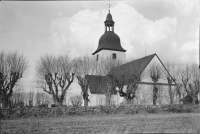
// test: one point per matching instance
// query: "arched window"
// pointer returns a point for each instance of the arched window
(97, 57)
(114, 56)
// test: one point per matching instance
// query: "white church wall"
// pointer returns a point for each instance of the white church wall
(145, 92)
(154, 61)
(144, 95)
(103, 54)
(99, 99)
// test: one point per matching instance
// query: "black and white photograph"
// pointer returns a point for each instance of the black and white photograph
(99, 67)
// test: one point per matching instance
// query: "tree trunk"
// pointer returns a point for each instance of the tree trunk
(108, 98)
(60, 100)
(194, 98)
(179, 97)
(85, 102)
(57, 101)
(155, 91)
(85, 97)
(171, 95)
(54, 100)
(60, 103)
(5, 103)
(128, 101)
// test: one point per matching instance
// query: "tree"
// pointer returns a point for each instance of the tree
(55, 74)
(190, 77)
(131, 87)
(12, 68)
(84, 67)
(155, 73)
(107, 83)
(178, 92)
(104, 81)
(171, 76)
(128, 75)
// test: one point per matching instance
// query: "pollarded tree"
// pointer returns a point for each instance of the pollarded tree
(55, 74)
(107, 83)
(178, 92)
(190, 77)
(195, 83)
(171, 77)
(128, 75)
(84, 66)
(131, 87)
(12, 69)
(155, 73)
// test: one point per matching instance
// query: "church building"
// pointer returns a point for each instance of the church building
(110, 47)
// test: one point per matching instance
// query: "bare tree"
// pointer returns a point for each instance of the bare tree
(131, 87)
(155, 73)
(190, 77)
(12, 68)
(55, 75)
(171, 77)
(178, 92)
(104, 81)
(128, 75)
(107, 83)
(84, 67)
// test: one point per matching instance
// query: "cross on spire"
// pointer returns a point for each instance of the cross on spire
(109, 6)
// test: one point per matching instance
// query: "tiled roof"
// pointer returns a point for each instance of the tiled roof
(97, 84)
(129, 69)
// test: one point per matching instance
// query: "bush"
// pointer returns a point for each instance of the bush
(59, 112)
(151, 110)
(43, 105)
(53, 105)
(183, 108)
(76, 100)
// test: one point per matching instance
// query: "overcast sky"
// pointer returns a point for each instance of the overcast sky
(169, 28)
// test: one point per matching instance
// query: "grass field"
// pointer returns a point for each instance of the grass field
(139, 123)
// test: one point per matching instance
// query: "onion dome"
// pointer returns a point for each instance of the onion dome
(109, 40)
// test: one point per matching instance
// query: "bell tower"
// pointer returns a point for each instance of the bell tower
(109, 43)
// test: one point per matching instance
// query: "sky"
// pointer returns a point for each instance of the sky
(169, 28)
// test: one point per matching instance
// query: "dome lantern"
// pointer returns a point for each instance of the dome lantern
(109, 23)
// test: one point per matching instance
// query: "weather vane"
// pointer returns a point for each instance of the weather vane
(109, 6)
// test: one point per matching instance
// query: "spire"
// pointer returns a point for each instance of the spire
(109, 6)
(109, 23)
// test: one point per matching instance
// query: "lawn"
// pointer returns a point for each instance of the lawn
(139, 123)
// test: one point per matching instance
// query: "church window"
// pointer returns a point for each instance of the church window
(114, 56)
